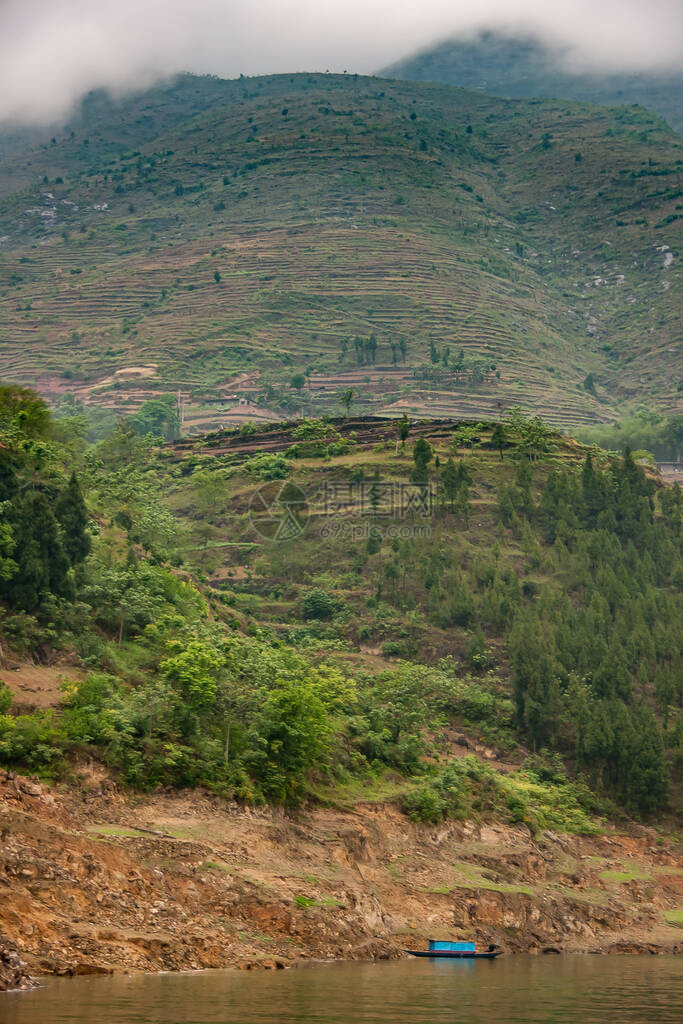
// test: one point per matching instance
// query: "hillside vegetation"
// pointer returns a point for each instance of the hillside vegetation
(439, 251)
(430, 592)
(524, 67)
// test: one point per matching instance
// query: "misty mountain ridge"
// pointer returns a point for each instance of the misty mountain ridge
(524, 67)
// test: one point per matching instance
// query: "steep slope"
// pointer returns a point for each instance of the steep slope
(523, 67)
(208, 228)
(205, 883)
(360, 669)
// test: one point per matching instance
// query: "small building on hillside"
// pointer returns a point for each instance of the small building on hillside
(671, 470)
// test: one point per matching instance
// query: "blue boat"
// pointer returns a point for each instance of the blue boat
(455, 951)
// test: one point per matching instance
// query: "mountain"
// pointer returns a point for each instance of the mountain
(259, 245)
(524, 67)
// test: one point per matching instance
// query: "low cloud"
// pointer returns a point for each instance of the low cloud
(54, 51)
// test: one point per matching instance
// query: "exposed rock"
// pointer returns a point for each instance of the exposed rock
(634, 947)
(13, 972)
(375, 949)
(199, 883)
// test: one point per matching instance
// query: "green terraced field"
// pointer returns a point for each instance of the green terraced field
(208, 228)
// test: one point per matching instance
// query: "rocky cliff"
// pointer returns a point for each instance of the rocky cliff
(93, 880)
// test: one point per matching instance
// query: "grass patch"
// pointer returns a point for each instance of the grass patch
(617, 877)
(115, 831)
(471, 877)
(307, 902)
(387, 787)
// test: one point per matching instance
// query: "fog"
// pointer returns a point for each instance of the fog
(53, 51)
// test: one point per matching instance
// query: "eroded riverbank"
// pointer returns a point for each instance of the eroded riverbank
(94, 881)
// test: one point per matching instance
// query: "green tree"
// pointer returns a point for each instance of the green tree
(466, 435)
(158, 416)
(292, 733)
(671, 500)
(463, 502)
(532, 434)
(422, 456)
(499, 438)
(123, 449)
(451, 481)
(318, 604)
(536, 686)
(478, 655)
(403, 431)
(392, 574)
(42, 563)
(346, 399)
(156, 529)
(23, 411)
(73, 518)
(8, 566)
(5, 698)
(210, 492)
(194, 670)
(127, 596)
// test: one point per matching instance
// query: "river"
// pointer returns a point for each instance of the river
(532, 990)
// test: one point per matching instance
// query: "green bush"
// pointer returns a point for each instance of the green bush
(32, 742)
(5, 698)
(319, 604)
(311, 430)
(266, 466)
(446, 794)
(424, 804)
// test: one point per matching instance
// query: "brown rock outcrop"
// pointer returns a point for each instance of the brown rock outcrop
(13, 972)
(95, 881)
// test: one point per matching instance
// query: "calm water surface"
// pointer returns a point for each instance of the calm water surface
(532, 990)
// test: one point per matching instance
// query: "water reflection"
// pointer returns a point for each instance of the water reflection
(513, 990)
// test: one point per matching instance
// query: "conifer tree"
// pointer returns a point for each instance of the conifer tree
(73, 518)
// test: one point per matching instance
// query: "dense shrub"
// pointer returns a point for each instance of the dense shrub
(319, 604)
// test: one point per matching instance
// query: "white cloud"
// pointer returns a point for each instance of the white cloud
(53, 51)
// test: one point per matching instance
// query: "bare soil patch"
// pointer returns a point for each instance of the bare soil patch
(38, 686)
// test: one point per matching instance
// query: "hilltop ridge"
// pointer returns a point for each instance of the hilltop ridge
(524, 67)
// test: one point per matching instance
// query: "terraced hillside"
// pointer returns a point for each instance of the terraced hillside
(287, 229)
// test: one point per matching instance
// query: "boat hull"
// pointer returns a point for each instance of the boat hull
(445, 954)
